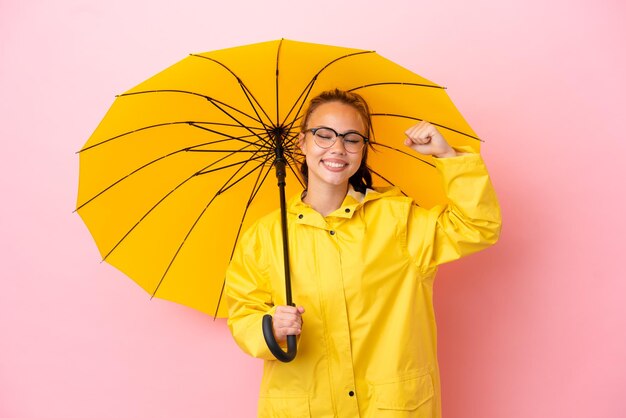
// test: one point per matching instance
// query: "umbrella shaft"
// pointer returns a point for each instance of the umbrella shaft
(281, 174)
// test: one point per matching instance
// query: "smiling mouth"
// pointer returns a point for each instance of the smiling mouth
(334, 164)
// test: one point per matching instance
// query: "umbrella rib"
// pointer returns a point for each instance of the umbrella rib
(254, 158)
(243, 86)
(250, 97)
(109, 187)
(255, 190)
(113, 138)
(302, 98)
(291, 153)
(290, 164)
(433, 123)
(160, 125)
(307, 90)
(392, 184)
(198, 124)
(258, 120)
(195, 223)
(397, 83)
(280, 44)
(354, 54)
(383, 177)
(207, 98)
(145, 215)
(264, 140)
(171, 191)
(377, 144)
(231, 153)
(268, 156)
(388, 181)
(187, 149)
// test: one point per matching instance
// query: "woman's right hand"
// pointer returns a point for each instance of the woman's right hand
(287, 320)
(427, 140)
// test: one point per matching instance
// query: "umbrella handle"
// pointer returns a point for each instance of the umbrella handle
(270, 340)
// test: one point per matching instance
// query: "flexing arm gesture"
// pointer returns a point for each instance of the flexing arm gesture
(426, 139)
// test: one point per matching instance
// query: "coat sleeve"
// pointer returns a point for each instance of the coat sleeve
(248, 295)
(469, 223)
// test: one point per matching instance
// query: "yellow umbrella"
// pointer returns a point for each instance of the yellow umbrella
(182, 163)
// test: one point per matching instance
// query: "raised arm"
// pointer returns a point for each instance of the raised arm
(470, 222)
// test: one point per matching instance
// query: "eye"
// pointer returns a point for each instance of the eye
(353, 138)
(325, 134)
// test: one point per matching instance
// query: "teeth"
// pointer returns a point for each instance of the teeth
(334, 165)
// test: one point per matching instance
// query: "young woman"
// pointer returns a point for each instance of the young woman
(362, 267)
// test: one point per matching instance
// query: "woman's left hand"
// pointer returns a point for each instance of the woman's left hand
(426, 139)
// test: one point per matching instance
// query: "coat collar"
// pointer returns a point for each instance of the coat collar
(352, 203)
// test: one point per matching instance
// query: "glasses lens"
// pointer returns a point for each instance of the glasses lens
(324, 137)
(353, 142)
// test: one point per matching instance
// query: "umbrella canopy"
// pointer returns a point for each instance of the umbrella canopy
(183, 163)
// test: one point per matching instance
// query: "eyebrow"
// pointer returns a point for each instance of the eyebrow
(350, 131)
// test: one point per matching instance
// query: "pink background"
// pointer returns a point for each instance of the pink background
(534, 327)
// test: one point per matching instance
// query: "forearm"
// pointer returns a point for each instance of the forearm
(472, 220)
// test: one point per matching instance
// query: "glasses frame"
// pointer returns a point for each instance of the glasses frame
(337, 135)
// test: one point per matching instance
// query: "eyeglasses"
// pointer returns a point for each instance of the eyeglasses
(325, 137)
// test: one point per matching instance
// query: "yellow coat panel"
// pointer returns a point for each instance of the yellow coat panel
(365, 277)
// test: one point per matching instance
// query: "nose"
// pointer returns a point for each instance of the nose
(338, 147)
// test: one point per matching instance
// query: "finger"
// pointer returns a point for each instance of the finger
(288, 323)
(285, 309)
(287, 320)
(289, 310)
(426, 131)
(431, 130)
(421, 133)
(413, 138)
(413, 131)
(286, 328)
(421, 125)
(283, 332)
(419, 139)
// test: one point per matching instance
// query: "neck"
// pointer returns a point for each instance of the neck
(325, 199)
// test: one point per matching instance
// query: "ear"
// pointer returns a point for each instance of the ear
(301, 142)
